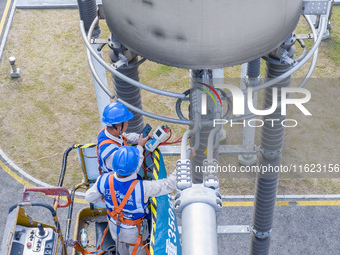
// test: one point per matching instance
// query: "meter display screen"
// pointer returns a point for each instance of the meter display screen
(158, 133)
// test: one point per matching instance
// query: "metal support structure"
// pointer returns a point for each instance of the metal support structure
(197, 206)
(204, 233)
(326, 6)
(229, 230)
(198, 198)
(129, 93)
(102, 98)
(88, 13)
(197, 76)
(270, 157)
(250, 77)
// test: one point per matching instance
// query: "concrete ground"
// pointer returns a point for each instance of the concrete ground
(297, 229)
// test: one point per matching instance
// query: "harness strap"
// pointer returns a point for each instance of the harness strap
(144, 244)
(106, 141)
(118, 214)
(119, 208)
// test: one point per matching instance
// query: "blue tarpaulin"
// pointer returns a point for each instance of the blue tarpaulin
(165, 239)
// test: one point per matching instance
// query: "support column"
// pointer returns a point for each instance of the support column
(197, 76)
(126, 91)
(88, 12)
(272, 139)
(250, 77)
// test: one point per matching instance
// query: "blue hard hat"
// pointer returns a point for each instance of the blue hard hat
(116, 113)
(125, 160)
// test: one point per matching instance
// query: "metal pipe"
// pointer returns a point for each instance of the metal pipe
(152, 115)
(315, 56)
(183, 122)
(107, 91)
(187, 134)
(211, 139)
(199, 227)
(121, 76)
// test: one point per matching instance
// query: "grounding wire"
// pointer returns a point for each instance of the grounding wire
(315, 57)
(89, 59)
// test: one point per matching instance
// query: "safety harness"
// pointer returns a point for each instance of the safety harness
(114, 142)
(107, 141)
(118, 214)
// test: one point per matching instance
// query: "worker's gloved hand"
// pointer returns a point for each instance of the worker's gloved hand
(142, 140)
(193, 152)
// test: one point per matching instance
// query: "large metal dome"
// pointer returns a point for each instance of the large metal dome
(202, 33)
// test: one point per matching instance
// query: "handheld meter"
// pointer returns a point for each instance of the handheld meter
(158, 136)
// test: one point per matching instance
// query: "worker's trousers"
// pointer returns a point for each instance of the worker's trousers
(127, 238)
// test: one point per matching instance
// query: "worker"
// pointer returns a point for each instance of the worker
(126, 198)
(116, 117)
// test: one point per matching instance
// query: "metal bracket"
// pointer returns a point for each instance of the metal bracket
(222, 150)
(315, 7)
(285, 59)
(237, 149)
(123, 61)
(229, 230)
(210, 173)
(305, 36)
(99, 41)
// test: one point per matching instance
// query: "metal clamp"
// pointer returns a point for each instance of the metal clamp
(183, 174)
(252, 82)
(261, 235)
(198, 194)
(270, 154)
(210, 173)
